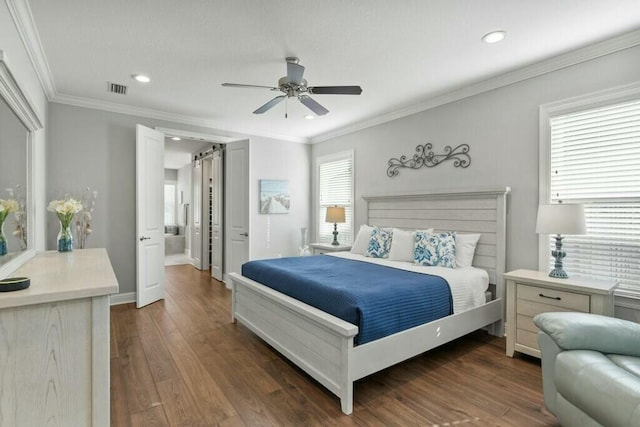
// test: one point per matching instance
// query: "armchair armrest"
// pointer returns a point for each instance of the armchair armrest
(584, 331)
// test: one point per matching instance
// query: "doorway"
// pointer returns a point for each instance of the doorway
(194, 162)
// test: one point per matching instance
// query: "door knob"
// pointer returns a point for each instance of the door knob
(144, 238)
(245, 234)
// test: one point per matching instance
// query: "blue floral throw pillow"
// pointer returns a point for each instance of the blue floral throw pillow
(379, 243)
(435, 249)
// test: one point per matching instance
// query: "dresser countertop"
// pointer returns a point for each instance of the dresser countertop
(59, 276)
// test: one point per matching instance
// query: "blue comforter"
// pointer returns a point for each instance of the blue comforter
(379, 300)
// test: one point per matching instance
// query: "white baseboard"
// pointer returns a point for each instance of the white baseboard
(123, 298)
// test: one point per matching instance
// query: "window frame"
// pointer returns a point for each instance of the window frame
(548, 111)
(319, 160)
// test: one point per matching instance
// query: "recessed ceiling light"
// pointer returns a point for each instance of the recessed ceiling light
(176, 138)
(141, 78)
(309, 117)
(494, 36)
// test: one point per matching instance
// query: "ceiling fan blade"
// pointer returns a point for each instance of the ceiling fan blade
(270, 104)
(313, 105)
(335, 90)
(248, 86)
(294, 72)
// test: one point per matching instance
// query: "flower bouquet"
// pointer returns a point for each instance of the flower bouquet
(6, 207)
(65, 210)
(20, 214)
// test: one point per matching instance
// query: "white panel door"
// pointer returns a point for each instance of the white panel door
(237, 188)
(149, 215)
(196, 228)
(216, 215)
(205, 223)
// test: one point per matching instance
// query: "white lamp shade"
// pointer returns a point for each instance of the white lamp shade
(561, 218)
(335, 214)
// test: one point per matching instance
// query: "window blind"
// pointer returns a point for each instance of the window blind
(595, 160)
(336, 188)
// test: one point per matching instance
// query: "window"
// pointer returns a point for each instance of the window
(592, 156)
(170, 204)
(335, 187)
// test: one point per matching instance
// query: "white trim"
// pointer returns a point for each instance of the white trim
(123, 298)
(20, 104)
(207, 137)
(163, 115)
(555, 63)
(316, 189)
(23, 19)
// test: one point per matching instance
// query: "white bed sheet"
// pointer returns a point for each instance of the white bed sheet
(468, 285)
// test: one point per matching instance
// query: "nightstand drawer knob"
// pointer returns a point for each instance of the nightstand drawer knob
(546, 296)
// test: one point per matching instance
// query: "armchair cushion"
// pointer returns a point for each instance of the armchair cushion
(584, 331)
(604, 391)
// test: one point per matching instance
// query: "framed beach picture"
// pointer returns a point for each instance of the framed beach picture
(274, 196)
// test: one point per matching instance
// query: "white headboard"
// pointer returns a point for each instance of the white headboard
(465, 211)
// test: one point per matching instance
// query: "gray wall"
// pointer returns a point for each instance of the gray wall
(502, 128)
(170, 174)
(91, 148)
(279, 234)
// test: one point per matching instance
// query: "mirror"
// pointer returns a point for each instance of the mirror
(13, 184)
(18, 126)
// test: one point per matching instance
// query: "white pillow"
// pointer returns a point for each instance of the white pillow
(403, 244)
(362, 240)
(465, 249)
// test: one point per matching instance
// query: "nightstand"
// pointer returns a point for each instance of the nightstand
(323, 248)
(533, 292)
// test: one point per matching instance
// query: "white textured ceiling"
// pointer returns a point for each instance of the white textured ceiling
(402, 53)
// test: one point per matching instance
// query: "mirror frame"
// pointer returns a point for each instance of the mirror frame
(18, 102)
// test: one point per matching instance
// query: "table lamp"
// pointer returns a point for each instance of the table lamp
(335, 215)
(558, 219)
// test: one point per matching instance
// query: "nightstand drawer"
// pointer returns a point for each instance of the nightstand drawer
(532, 308)
(553, 298)
(526, 323)
(530, 339)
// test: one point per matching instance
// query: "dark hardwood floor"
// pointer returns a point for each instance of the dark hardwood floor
(181, 362)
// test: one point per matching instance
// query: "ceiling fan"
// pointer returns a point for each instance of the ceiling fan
(294, 86)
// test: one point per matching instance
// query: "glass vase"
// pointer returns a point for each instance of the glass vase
(304, 245)
(65, 238)
(3, 240)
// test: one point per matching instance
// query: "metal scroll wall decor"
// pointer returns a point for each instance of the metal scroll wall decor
(426, 157)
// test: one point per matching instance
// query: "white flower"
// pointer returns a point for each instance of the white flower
(65, 207)
(9, 205)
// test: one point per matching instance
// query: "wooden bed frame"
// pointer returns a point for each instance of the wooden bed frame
(322, 345)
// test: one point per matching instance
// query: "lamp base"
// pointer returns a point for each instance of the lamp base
(335, 235)
(558, 272)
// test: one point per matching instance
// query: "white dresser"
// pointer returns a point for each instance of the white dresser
(530, 293)
(54, 341)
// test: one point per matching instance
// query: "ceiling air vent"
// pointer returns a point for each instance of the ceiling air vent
(116, 88)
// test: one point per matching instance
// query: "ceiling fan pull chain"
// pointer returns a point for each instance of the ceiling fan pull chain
(286, 107)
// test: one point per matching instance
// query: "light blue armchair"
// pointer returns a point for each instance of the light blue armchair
(590, 369)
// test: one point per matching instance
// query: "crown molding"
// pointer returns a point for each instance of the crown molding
(23, 19)
(163, 115)
(577, 56)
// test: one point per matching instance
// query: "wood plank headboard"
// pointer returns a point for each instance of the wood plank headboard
(465, 211)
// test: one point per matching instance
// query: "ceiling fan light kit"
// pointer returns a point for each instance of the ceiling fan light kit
(293, 85)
